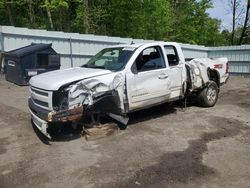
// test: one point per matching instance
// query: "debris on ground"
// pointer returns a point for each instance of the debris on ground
(99, 131)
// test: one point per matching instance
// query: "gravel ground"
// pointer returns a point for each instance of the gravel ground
(165, 146)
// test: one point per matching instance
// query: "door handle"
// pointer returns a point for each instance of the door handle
(162, 76)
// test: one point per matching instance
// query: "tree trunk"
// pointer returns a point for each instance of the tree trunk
(8, 6)
(245, 23)
(31, 12)
(234, 13)
(61, 20)
(49, 15)
(86, 16)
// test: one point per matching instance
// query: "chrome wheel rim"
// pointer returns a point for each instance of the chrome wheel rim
(211, 94)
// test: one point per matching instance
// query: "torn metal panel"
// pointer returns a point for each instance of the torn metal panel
(104, 94)
(199, 73)
(66, 115)
(89, 91)
(200, 66)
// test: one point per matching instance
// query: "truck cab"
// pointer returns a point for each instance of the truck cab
(155, 74)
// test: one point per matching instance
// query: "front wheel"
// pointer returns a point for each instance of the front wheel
(209, 95)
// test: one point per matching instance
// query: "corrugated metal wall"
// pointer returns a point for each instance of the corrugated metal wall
(76, 49)
(194, 51)
(238, 56)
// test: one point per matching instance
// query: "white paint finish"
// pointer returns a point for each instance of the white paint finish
(40, 124)
(149, 85)
(55, 79)
(154, 86)
(176, 80)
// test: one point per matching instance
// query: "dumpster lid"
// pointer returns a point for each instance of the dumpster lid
(28, 49)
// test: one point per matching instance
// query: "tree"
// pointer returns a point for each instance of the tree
(233, 4)
(238, 9)
(47, 6)
(246, 22)
(9, 10)
(59, 8)
(171, 20)
(139, 19)
(31, 12)
(86, 16)
(192, 24)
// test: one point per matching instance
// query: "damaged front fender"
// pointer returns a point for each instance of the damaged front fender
(102, 94)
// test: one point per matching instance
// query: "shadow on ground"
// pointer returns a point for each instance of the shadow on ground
(180, 167)
(67, 133)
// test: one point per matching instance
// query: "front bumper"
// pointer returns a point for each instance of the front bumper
(41, 117)
(40, 124)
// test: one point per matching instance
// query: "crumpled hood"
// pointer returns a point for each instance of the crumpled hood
(55, 79)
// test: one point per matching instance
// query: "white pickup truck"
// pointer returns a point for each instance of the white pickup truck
(121, 79)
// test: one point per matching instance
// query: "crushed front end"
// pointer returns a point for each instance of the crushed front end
(76, 101)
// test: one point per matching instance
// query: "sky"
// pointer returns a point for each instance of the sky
(221, 11)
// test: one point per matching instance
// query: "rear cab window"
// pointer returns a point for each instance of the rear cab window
(172, 55)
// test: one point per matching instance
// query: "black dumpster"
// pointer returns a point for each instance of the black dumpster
(28, 61)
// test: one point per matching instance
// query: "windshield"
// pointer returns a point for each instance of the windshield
(113, 59)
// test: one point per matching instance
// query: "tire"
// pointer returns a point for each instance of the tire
(209, 95)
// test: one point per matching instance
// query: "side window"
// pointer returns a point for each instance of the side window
(150, 59)
(172, 55)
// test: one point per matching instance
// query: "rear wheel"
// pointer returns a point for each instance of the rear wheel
(209, 95)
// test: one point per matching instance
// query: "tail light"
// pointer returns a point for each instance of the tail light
(218, 66)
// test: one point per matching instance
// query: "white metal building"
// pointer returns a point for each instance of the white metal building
(76, 49)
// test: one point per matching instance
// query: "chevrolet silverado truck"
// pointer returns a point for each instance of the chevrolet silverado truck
(122, 79)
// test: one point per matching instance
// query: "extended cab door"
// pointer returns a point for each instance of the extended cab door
(176, 72)
(148, 81)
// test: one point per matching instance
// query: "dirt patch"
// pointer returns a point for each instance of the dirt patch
(9, 113)
(180, 167)
(9, 174)
(239, 97)
(163, 147)
(4, 142)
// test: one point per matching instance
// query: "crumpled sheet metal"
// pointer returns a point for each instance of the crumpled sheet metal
(199, 73)
(81, 94)
(83, 91)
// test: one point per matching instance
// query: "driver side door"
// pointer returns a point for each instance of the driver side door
(148, 82)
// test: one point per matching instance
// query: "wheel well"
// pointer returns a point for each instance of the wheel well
(214, 76)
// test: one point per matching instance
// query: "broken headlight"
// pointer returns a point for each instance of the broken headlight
(60, 100)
